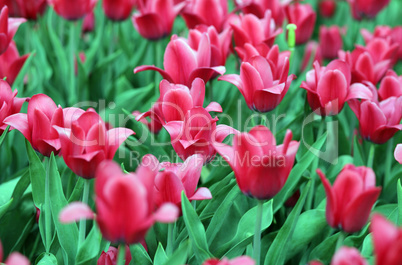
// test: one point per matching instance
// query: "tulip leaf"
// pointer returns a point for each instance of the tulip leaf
(46, 259)
(279, 249)
(179, 257)
(4, 207)
(139, 255)
(160, 255)
(195, 230)
(4, 134)
(367, 247)
(358, 158)
(19, 81)
(399, 192)
(325, 249)
(37, 174)
(66, 233)
(88, 252)
(20, 188)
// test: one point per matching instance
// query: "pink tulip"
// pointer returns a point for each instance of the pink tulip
(390, 86)
(327, 8)
(9, 103)
(260, 166)
(89, 142)
(196, 133)
(199, 12)
(173, 179)
(262, 90)
(110, 257)
(11, 63)
(387, 239)
(379, 121)
(312, 53)
(345, 256)
(118, 10)
(331, 41)
(258, 8)
(392, 34)
(14, 258)
(250, 29)
(366, 8)
(398, 153)
(72, 9)
(130, 221)
(183, 64)
(328, 88)
(8, 28)
(350, 199)
(175, 101)
(303, 16)
(242, 260)
(155, 18)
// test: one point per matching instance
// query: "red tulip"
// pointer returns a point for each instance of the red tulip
(183, 64)
(13, 9)
(303, 16)
(390, 86)
(196, 133)
(118, 10)
(242, 260)
(398, 153)
(72, 9)
(370, 63)
(379, 121)
(328, 88)
(30, 9)
(199, 12)
(385, 32)
(88, 24)
(8, 28)
(11, 63)
(37, 125)
(9, 103)
(345, 256)
(14, 258)
(366, 8)
(260, 166)
(175, 101)
(260, 88)
(331, 41)
(89, 142)
(258, 8)
(172, 179)
(155, 18)
(350, 199)
(250, 29)
(110, 257)
(327, 7)
(387, 239)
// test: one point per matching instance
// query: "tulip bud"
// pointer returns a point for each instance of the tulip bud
(303, 16)
(72, 9)
(118, 10)
(327, 8)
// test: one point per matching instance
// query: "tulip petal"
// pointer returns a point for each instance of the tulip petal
(398, 153)
(16, 258)
(150, 26)
(175, 104)
(201, 194)
(74, 212)
(213, 106)
(164, 74)
(19, 122)
(197, 92)
(190, 173)
(359, 91)
(331, 212)
(332, 88)
(167, 213)
(222, 131)
(115, 137)
(384, 235)
(206, 73)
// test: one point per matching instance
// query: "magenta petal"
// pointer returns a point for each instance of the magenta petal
(359, 91)
(19, 122)
(214, 106)
(167, 213)
(331, 212)
(115, 138)
(222, 131)
(164, 74)
(201, 194)
(150, 26)
(74, 212)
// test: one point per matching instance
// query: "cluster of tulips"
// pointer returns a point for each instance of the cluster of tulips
(128, 204)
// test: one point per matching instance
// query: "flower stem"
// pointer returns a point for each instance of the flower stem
(72, 45)
(83, 223)
(48, 217)
(121, 255)
(170, 239)
(257, 233)
(370, 159)
(340, 240)
(388, 161)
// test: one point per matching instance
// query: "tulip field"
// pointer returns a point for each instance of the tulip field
(200, 132)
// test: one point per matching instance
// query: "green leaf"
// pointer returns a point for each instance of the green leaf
(399, 191)
(325, 250)
(18, 82)
(89, 250)
(4, 207)
(140, 255)
(20, 188)
(279, 249)
(46, 259)
(37, 173)
(4, 134)
(160, 255)
(358, 158)
(179, 257)
(195, 230)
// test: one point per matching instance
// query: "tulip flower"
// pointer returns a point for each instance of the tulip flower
(327, 8)
(175, 101)
(8, 28)
(366, 8)
(260, 88)
(370, 63)
(398, 153)
(385, 32)
(250, 29)
(328, 88)
(72, 9)
(88, 24)
(118, 10)
(14, 258)
(345, 256)
(11, 63)
(183, 64)
(154, 19)
(242, 260)
(9, 103)
(110, 257)
(379, 121)
(89, 142)
(258, 8)
(196, 133)
(303, 16)
(390, 86)
(130, 223)
(172, 179)
(260, 166)
(387, 239)
(350, 199)
(331, 41)
(312, 53)
(37, 125)
(199, 12)
(30, 9)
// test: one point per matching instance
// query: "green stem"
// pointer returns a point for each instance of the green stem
(257, 233)
(121, 255)
(370, 159)
(170, 239)
(72, 46)
(83, 222)
(388, 161)
(340, 240)
(48, 220)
